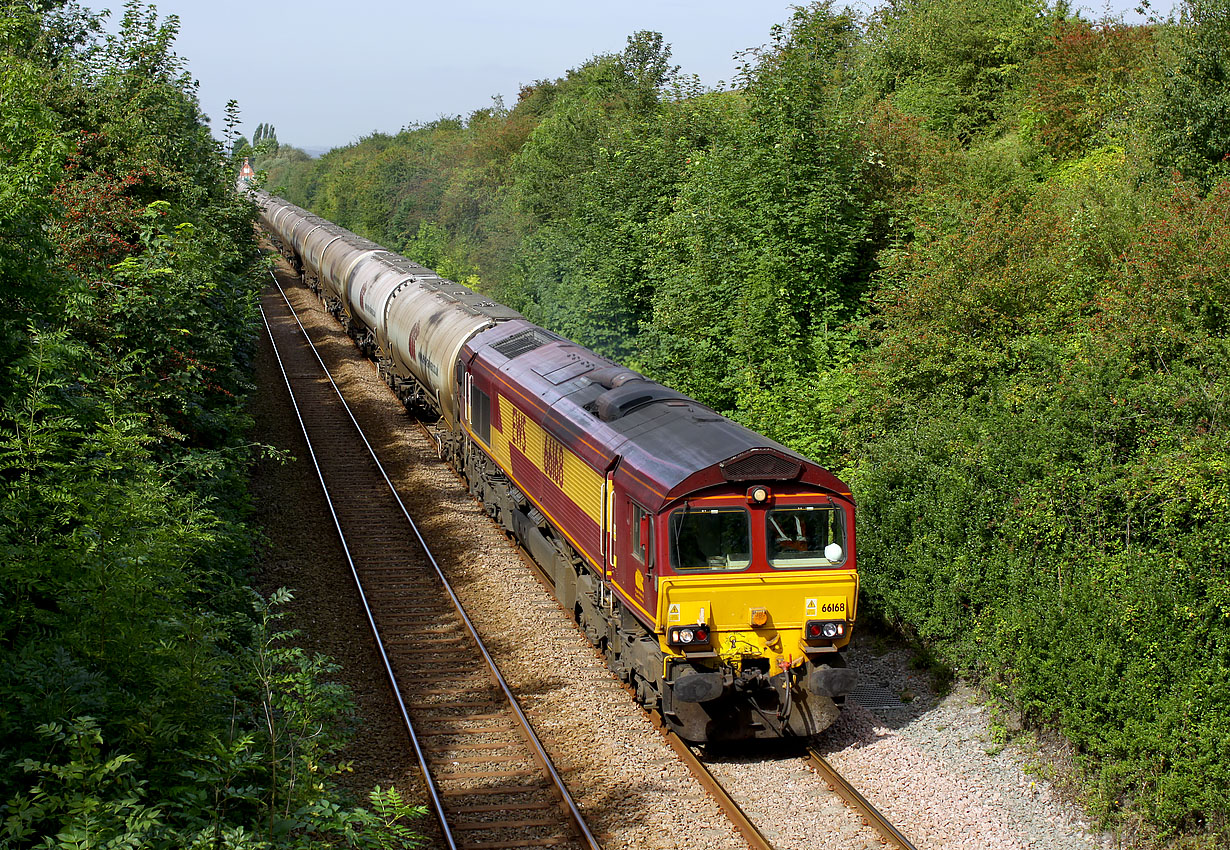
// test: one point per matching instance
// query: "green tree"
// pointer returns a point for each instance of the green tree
(952, 61)
(1086, 82)
(35, 152)
(764, 253)
(1193, 119)
(133, 674)
(1039, 456)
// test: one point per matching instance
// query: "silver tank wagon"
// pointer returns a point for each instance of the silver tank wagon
(415, 321)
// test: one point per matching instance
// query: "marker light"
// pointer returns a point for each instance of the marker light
(760, 617)
(688, 635)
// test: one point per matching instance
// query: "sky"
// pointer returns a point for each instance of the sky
(326, 74)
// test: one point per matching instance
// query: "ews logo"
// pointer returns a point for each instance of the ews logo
(517, 437)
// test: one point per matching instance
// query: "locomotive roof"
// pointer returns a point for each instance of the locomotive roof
(666, 444)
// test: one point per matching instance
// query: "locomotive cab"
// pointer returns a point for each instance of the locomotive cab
(754, 595)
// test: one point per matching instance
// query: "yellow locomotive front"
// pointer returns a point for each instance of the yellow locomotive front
(756, 601)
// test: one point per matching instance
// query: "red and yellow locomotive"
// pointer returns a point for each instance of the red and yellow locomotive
(715, 568)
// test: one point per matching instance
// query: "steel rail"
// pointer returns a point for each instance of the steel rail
(432, 791)
(751, 834)
(738, 818)
(729, 806)
(578, 821)
(857, 801)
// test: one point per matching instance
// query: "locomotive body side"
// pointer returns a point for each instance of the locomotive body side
(533, 438)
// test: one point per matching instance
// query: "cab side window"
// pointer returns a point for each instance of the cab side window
(642, 535)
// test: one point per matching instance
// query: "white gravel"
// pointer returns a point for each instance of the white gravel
(936, 768)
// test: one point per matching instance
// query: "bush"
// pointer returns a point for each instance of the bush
(142, 701)
(1044, 480)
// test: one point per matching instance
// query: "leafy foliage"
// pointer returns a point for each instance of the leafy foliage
(1084, 79)
(1193, 110)
(1044, 466)
(953, 62)
(143, 703)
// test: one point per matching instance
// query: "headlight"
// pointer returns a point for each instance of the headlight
(824, 630)
(687, 635)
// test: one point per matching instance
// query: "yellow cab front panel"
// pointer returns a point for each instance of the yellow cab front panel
(755, 604)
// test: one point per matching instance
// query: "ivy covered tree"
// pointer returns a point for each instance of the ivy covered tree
(1193, 114)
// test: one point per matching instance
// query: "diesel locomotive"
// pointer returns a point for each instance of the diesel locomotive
(713, 567)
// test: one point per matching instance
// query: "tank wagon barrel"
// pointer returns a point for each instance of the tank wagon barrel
(714, 567)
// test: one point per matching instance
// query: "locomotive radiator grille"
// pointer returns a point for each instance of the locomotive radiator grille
(525, 341)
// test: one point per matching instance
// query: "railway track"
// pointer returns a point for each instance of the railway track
(489, 781)
(890, 836)
(855, 800)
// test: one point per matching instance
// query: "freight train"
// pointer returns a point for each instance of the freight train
(713, 567)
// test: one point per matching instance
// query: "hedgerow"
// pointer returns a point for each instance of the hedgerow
(1043, 480)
